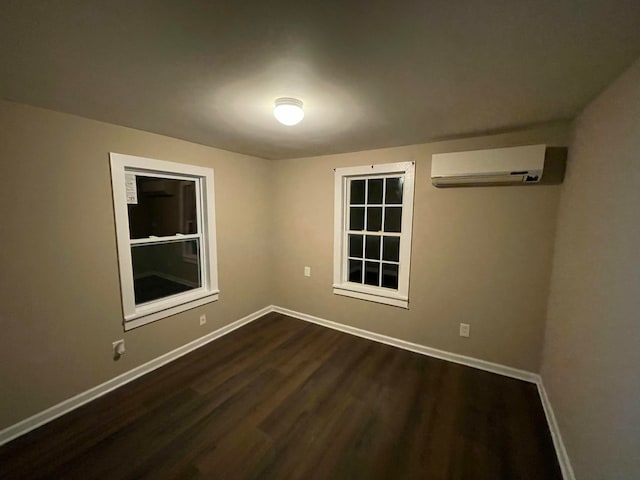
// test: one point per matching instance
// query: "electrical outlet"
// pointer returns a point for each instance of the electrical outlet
(203, 319)
(118, 348)
(307, 271)
(464, 329)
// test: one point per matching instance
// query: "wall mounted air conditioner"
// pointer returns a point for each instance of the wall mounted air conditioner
(499, 166)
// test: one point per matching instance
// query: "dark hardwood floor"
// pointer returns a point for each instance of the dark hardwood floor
(281, 398)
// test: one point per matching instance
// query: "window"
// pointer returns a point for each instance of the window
(165, 226)
(372, 228)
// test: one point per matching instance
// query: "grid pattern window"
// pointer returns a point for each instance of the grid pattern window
(374, 206)
(166, 237)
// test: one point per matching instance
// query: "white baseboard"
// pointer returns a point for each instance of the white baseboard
(561, 451)
(414, 347)
(87, 396)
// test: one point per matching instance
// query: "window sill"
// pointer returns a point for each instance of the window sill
(372, 295)
(158, 310)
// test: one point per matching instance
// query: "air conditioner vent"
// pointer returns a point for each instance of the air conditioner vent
(500, 166)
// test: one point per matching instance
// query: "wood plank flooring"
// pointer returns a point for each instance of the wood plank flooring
(284, 399)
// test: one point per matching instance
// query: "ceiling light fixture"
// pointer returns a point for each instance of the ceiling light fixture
(288, 111)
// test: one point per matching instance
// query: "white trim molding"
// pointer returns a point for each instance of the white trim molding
(87, 396)
(561, 451)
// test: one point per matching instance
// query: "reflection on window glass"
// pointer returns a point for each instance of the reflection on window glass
(355, 271)
(392, 219)
(356, 218)
(165, 207)
(390, 276)
(160, 270)
(393, 190)
(372, 249)
(391, 249)
(374, 195)
(374, 219)
(372, 273)
(355, 246)
(357, 192)
(188, 219)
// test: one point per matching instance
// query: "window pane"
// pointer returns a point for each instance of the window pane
(356, 218)
(373, 247)
(357, 192)
(390, 276)
(375, 191)
(391, 249)
(392, 219)
(374, 219)
(372, 273)
(164, 269)
(355, 245)
(164, 207)
(355, 271)
(393, 190)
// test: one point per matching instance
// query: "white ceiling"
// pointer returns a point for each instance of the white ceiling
(371, 73)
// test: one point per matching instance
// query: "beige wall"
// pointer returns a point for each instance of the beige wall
(591, 362)
(60, 303)
(480, 255)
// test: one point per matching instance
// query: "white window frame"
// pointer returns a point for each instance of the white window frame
(341, 285)
(187, 255)
(135, 316)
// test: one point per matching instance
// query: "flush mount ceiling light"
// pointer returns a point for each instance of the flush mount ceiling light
(288, 111)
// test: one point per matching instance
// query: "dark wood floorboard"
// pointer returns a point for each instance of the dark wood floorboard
(284, 399)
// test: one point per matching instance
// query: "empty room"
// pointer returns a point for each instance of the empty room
(320, 240)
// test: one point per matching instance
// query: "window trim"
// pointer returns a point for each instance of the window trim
(155, 310)
(341, 286)
(187, 256)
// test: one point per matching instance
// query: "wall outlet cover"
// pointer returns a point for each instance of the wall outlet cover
(118, 348)
(464, 329)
